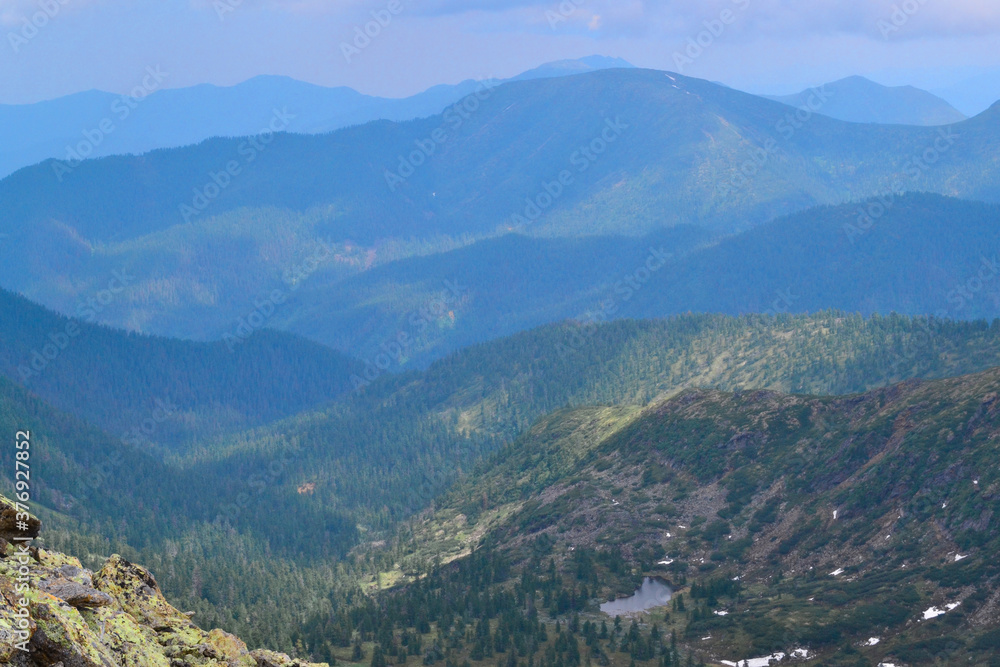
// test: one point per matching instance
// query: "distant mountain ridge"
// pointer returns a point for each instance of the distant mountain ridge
(95, 124)
(675, 156)
(860, 100)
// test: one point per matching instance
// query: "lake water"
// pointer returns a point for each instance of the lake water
(652, 593)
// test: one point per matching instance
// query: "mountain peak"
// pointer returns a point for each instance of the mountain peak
(577, 66)
(858, 99)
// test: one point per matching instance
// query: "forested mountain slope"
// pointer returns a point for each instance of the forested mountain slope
(285, 501)
(858, 528)
(924, 254)
(913, 254)
(163, 391)
(668, 142)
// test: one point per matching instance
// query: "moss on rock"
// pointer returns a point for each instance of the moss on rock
(116, 618)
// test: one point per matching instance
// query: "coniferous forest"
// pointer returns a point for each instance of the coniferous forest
(312, 362)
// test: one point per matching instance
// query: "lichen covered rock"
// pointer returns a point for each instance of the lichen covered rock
(116, 618)
(267, 658)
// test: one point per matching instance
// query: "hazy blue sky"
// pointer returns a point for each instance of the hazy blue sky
(767, 46)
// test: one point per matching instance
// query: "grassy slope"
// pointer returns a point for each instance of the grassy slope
(885, 488)
(388, 451)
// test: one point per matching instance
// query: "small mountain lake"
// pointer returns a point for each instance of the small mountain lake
(652, 593)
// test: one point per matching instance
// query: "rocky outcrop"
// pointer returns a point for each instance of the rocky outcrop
(53, 611)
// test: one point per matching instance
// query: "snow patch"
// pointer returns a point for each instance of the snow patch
(934, 612)
(800, 653)
(721, 613)
(837, 572)
(959, 557)
(873, 641)
(669, 561)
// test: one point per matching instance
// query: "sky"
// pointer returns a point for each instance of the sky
(56, 47)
